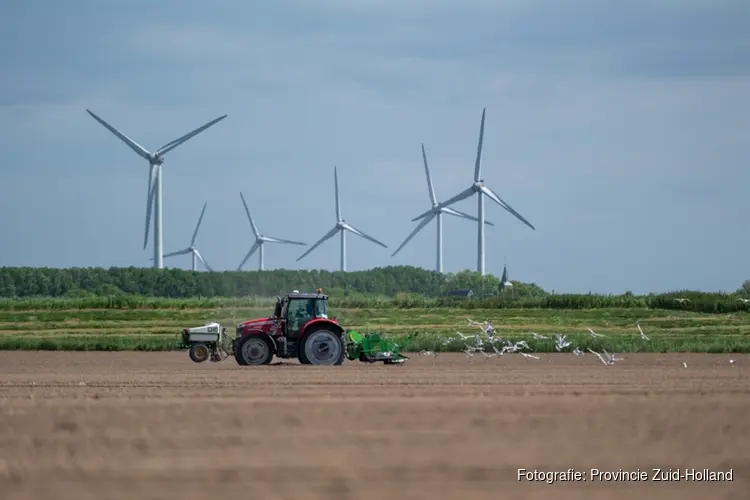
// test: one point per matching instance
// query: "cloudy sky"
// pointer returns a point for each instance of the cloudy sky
(619, 129)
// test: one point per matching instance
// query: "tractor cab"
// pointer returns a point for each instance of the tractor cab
(297, 309)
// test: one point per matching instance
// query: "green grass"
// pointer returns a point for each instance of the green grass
(157, 329)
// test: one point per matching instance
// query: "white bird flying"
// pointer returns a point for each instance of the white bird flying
(593, 333)
(643, 335)
(561, 342)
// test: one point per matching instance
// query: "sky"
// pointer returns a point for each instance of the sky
(618, 129)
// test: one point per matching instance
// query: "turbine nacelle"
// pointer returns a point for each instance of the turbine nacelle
(156, 159)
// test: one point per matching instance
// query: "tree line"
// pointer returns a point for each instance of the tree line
(392, 286)
(179, 283)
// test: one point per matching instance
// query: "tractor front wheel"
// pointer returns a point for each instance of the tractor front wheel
(322, 346)
(254, 350)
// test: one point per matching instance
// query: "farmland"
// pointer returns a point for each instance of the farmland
(99, 324)
(151, 425)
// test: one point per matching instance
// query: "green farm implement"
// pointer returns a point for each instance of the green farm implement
(372, 347)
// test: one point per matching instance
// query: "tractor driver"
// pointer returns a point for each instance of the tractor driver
(302, 314)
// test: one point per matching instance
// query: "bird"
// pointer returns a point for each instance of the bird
(611, 357)
(593, 333)
(601, 358)
(561, 342)
(643, 335)
(537, 336)
(681, 300)
(526, 355)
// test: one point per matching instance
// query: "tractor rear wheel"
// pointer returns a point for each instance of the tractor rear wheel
(254, 350)
(322, 346)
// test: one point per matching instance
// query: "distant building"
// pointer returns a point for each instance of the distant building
(505, 283)
(460, 293)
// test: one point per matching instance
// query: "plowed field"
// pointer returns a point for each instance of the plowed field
(80, 425)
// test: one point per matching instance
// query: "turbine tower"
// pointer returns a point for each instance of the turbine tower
(341, 226)
(192, 249)
(260, 240)
(436, 212)
(154, 193)
(481, 191)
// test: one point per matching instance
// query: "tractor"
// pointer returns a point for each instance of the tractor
(299, 328)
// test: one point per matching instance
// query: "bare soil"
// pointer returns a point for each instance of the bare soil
(155, 426)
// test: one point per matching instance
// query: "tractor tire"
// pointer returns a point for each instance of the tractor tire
(254, 350)
(301, 355)
(199, 352)
(322, 346)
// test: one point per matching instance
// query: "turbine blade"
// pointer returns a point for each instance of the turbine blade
(249, 254)
(328, 235)
(338, 200)
(494, 197)
(171, 145)
(149, 201)
(200, 258)
(414, 233)
(478, 162)
(430, 188)
(356, 231)
(460, 196)
(279, 240)
(250, 218)
(463, 215)
(200, 219)
(425, 214)
(179, 252)
(140, 150)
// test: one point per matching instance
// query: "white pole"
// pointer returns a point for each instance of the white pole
(480, 234)
(158, 234)
(439, 218)
(193, 255)
(343, 250)
(260, 256)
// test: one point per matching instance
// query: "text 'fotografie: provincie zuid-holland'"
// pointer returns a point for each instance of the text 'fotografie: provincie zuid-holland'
(638, 475)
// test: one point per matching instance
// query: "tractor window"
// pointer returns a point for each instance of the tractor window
(320, 309)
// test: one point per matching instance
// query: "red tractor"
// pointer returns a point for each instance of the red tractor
(299, 328)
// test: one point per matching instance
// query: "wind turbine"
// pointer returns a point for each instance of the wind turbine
(436, 212)
(192, 249)
(154, 192)
(260, 240)
(481, 191)
(341, 226)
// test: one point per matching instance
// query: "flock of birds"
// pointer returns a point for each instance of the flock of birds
(477, 344)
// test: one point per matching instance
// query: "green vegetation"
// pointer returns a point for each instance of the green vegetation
(145, 309)
(150, 328)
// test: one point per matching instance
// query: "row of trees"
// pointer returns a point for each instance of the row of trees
(178, 283)
(394, 286)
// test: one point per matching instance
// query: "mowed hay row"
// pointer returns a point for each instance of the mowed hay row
(154, 329)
